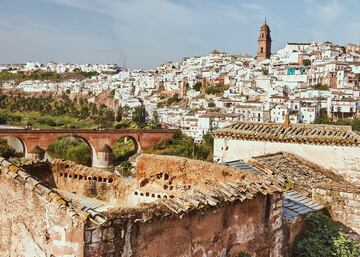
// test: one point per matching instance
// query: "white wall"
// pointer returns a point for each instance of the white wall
(342, 160)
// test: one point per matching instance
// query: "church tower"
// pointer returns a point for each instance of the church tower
(264, 43)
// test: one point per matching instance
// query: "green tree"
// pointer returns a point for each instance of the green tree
(119, 114)
(306, 62)
(6, 151)
(197, 86)
(320, 86)
(211, 105)
(73, 149)
(323, 237)
(139, 116)
(155, 121)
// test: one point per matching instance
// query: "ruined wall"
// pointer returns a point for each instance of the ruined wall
(32, 226)
(87, 181)
(253, 226)
(342, 160)
(344, 204)
(292, 228)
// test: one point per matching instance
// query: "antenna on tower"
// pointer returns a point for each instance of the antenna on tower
(265, 19)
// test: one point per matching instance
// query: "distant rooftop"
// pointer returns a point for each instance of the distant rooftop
(294, 133)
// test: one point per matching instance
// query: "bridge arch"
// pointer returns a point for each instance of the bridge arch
(124, 147)
(92, 150)
(17, 143)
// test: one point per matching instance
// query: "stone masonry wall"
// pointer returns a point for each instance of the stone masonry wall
(32, 226)
(345, 205)
(253, 226)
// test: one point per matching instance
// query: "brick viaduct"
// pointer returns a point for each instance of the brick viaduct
(34, 143)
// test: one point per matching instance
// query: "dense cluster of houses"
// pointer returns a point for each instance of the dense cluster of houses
(302, 81)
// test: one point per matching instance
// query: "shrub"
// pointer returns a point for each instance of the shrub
(323, 237)
(6, 151)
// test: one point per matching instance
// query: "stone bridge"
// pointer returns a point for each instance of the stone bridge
(34, 143)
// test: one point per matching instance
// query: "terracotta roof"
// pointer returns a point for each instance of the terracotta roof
(295, 133)
(295, 171)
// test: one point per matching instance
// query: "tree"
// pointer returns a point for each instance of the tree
(73, 149)
(306, 62)
(320, 86)
(139, 116)
(265, 71)
(323, 237)
(211, 105)
(119, 113)
(6, 151)
(155, 121)
(197, 86)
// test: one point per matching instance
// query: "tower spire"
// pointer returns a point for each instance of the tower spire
(264, 43)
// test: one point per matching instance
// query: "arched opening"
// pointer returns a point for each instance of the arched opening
(262, 50)
(11, 146)
(71, 148)
(123, 149)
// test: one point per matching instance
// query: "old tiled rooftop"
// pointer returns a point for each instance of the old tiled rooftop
(294, 133)
(292, 170)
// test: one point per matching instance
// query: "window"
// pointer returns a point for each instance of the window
(262, 50)
(262, 35)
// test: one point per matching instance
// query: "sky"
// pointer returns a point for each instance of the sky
(152, 32)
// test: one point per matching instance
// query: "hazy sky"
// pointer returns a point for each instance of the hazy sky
(152, 32)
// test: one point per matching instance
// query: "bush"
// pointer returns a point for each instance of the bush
(321, 87)
(184, 146)
(306, 62)
(73, 149)
(323, 238)
(211, 105)
(197, 86)
(3, 119)
(6, 151)
(213, 90)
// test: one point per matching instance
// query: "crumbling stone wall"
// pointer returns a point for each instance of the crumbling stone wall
(253, 226)
(292, 228)
(32, 226)
(344, 204)
(85, 181)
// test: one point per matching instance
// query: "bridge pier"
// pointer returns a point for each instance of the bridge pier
(103, 158)
(34, 143)
(36, 154)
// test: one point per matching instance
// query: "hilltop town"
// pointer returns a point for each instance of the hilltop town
(232, 155)
(309, 82)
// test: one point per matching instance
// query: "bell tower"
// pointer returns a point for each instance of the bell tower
(264, 43)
